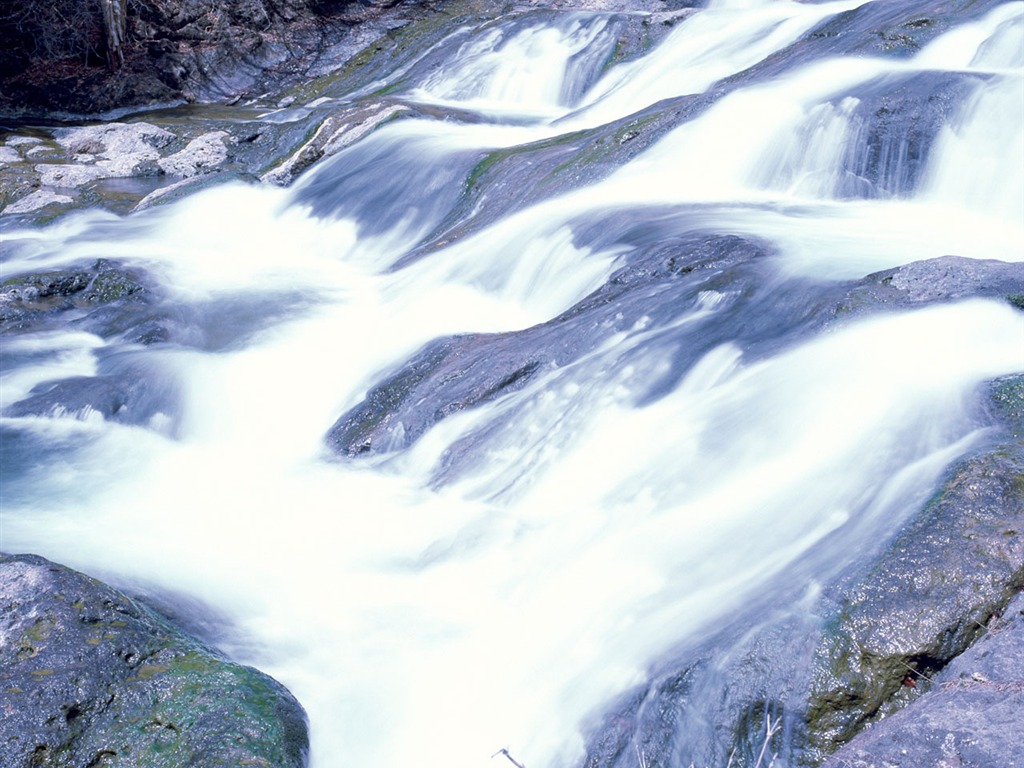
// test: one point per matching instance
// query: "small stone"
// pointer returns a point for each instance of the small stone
(37, 200)
(202, 155)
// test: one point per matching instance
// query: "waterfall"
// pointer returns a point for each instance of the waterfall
(669, 457)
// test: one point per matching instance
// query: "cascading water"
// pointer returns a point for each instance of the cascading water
(669, 455)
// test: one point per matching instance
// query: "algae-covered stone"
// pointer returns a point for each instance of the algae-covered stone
(907, 659)
(28, 302)
(973, 716)
(91, 677)
(932, 594)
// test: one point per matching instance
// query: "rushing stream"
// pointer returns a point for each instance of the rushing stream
(674, 454)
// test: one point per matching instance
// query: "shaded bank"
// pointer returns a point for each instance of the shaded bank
(53, 55)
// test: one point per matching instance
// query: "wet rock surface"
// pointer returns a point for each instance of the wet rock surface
(942, 612)
(464, 371)
(910, 658)
(86, 298)
(867, 646)
(92, 677)
(664, 278)
(970, 716)
(933, 593)
(872, 655)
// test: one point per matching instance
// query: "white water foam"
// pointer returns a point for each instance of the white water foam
(435, 628)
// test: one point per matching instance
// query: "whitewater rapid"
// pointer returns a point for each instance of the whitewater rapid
(434, 626)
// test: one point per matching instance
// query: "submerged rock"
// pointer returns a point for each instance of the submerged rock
(91, 677)
(83, 295)
(133, 394)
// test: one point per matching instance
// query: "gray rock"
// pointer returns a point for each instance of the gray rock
(91, 677)
(947, 278)
(203, 154)
(38, 200)
(973, 717)
(21, 141)
(118, 150)
(35, 301)
(931, 594)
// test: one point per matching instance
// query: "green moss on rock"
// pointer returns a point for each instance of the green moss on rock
(98, 679)
(931, 595)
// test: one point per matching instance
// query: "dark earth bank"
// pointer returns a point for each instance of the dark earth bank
(53, 57)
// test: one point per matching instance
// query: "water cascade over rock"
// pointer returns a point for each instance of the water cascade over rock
(581, 386)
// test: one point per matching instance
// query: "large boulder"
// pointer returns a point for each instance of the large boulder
(91, 677)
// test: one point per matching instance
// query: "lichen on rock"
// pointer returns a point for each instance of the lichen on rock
(90, 676)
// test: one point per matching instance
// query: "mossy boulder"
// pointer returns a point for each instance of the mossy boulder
(91, 677)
